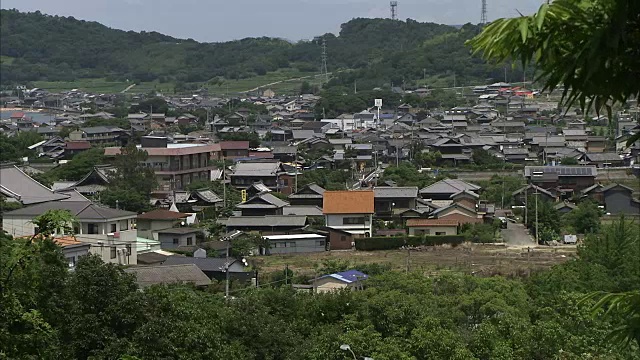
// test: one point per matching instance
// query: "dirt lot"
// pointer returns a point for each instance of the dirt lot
(469, 258)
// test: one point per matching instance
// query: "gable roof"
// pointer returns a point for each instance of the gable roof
(162, 214)
(263, 200)
(273, 221)
(169, 274)
(16, 184)
(83, 210)
(348, 277)
(348, 202)
(234, 145)
(396, 192)
(431, 222)
(572, 171)
(449, 186)
(204, 264)
(207, 195)
(613, 186)
(256, 168)
(309, 191)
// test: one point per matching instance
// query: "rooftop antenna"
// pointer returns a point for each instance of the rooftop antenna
(324, 72)
(394, 10)
(483, 14)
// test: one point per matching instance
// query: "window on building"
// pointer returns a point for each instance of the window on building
(128, 246)
(124, 225)
(36, 230)
(440, 233)
(320, 243)
(292, 244)
(92, 228)
(343, 238)
(71, 260)
(189, 240)
(353, 221)
(176, 241)
(113, 252)
(114, 228)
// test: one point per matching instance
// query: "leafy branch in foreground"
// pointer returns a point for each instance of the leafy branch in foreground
(589, 47)
(622, 306)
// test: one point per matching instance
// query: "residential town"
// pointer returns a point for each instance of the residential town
(268, 148)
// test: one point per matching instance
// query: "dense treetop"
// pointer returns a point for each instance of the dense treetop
(35, 46)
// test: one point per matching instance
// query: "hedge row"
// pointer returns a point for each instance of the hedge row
(396, 242)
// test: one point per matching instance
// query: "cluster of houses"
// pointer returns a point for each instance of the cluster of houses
(308, 218)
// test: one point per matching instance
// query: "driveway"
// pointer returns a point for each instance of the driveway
(517, 235)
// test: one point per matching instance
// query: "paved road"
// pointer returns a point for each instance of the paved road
(128, 88)
(517, 235)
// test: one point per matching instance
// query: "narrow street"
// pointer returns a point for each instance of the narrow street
(517, 235)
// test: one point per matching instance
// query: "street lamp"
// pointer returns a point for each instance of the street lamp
(345, 347)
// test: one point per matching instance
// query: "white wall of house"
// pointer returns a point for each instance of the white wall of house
(121, 250)
(353, 222)
(433, 230)
(18, 227)
(330, 284)
(172, 241)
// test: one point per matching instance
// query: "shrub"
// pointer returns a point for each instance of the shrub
(396, 242)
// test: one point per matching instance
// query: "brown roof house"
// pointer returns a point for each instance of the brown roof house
(432, 227)
(150, 223)
(350, 211)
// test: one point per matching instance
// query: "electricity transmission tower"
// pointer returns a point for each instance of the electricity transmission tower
(394, 10)
(483, 14)
(324, 70)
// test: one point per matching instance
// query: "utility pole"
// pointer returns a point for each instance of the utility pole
(224, 184)
(537, 229)
(226, 270)
(286, 274)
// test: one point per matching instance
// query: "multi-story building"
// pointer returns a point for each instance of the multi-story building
(350, 211)
(176, 165)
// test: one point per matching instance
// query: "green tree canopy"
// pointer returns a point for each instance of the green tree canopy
(131, 184)
(590, 48)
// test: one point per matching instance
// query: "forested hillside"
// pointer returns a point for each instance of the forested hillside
(35, 46)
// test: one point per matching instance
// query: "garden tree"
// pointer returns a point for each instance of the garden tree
(616, 248)
(584, 219)
(406, 174)
(549, 221)
(325, 178)
(588, 47)
(247, 244)
(498, 190)
(16, 147)
(31, 272)
(117, 122)
(427, 159)
(252, 137)
(131, 183)
(153, 104)
(482, 157)
(569, 161)
(79, 166)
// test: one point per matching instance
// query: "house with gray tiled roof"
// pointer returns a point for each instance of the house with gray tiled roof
(390, 201)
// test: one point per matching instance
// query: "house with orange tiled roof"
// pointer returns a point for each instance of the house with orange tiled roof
(72, 249)
(350, 211)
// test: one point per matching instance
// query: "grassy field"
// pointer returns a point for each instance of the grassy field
(281, 81)
(474, 259)
(6, 60)
(263, 81)
(90, 85)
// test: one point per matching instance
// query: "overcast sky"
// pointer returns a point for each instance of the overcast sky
(217, 20)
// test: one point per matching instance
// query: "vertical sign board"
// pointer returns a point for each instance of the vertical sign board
(244, 195)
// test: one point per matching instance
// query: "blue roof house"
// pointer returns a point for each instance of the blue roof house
(350, 279)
